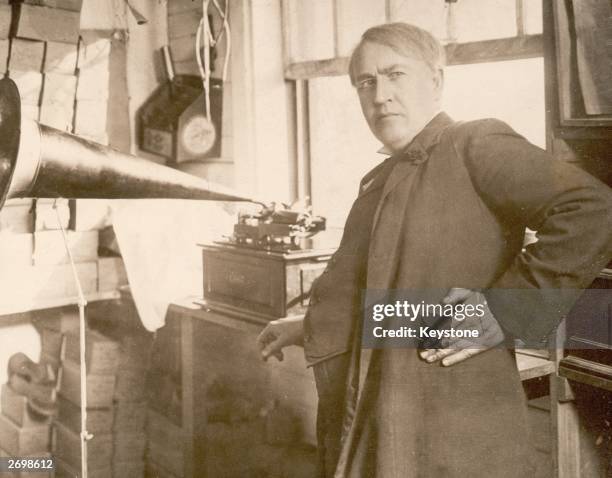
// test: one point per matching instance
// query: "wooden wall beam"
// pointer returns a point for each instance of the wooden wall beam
(516, 48)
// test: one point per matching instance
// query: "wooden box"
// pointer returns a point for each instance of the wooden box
(130, 385)
(23, 441)
(15, 407)
(5, 21)
(68, 448)
(60, 58)
(43, 23)
(49, 247)
(17, 216)
(129, 416)
(129, 447)
(260, 284)
(99, 420)
(27, 55)
(102, 353)
(100, 388)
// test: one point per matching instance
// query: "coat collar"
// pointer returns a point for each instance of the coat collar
(415, 153)
(419, 148)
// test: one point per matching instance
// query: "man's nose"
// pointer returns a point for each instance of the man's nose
(383, 91)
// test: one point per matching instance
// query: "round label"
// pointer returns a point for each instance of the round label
(199, 135)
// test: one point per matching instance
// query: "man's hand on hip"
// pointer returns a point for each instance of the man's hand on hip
(279, 334)
(455, 350)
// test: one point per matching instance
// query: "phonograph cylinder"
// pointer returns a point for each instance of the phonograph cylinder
(41, 162)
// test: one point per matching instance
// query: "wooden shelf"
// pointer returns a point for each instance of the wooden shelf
(38, 287)
(530, 366)
(587, 372)
(15, 309)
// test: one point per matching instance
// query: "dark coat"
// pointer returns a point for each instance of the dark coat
(453, 214)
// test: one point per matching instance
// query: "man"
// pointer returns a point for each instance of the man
(447, 211)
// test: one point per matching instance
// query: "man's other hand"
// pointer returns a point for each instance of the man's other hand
(457, 350)
(279, 334)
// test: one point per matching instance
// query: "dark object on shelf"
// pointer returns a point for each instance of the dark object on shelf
(173, 122)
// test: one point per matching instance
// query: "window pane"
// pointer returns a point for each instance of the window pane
(482, 20)
(512, 91)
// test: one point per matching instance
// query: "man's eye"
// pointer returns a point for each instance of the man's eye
(365, 84)
(395, 75)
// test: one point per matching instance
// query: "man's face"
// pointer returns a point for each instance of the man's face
(398, 94)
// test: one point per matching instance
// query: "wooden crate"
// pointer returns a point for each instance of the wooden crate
(44, 23)
(129, 416)
(45, 215)
(165, 443)
(15, 407)
(23, 441)
(5, 21)
(102, 355)
(27, 55)
(73, 5)
(49, 248)
(100, 388)
(68, 447)
(17, 217)
(129, 447)
(99, 420)
(91, 117)
(130, 385)
(60, 58)
(59, 90)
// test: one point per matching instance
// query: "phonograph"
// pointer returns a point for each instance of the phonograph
(265, 270)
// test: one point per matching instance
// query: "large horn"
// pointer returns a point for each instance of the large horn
(42, 162)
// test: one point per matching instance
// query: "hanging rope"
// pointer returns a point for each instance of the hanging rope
(205, 41)
(85, 435)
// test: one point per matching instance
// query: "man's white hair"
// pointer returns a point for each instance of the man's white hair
(405, 39)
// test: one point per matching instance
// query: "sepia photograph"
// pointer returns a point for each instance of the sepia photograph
(306, 238)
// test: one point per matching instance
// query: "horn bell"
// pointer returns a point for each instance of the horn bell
(42, 162)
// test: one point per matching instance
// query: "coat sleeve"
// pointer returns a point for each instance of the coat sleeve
(570, 210)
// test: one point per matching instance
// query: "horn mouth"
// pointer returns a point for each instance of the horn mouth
(10, 131)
